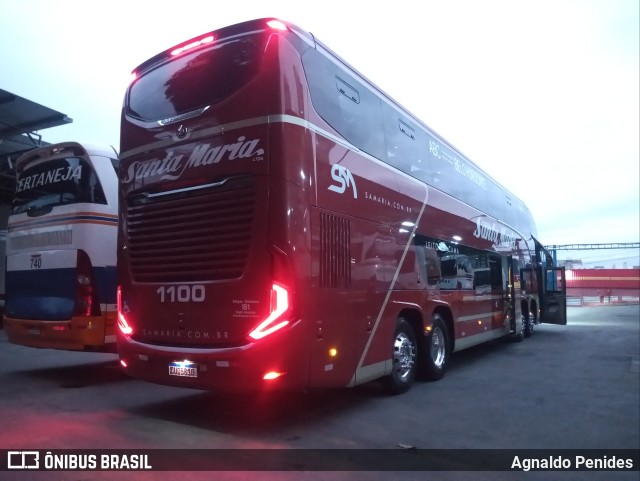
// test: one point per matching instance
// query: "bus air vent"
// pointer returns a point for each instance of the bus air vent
(335, 251)
(200, 235)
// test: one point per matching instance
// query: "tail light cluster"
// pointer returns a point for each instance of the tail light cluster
(85, 305)
(280, 301)
(124, 326)
(278, 310)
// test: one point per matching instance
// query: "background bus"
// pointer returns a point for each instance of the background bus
(61, 249)
(285, 224)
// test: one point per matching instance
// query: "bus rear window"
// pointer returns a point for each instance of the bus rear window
(71, 180)
(194, 81)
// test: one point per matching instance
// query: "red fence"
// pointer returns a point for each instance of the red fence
(597, 286)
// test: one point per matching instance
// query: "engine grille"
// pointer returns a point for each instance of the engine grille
(189, 236)
(335, 251)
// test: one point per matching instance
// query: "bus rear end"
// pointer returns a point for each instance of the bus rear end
(207, 295)
(61, 249)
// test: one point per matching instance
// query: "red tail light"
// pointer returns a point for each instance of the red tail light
(191, 45)
(276, 320)
(84, 286)
(122, 321)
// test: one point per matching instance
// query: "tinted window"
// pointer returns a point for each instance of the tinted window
(357, 112)
(406, 144)
(345, 103)
(454, 266)
(195, 80)
(57, 182)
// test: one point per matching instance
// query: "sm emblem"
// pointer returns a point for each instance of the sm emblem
(343, 179)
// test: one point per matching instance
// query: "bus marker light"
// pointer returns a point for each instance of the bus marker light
(277, 25)
(333, 352)
(194, 44)
(123, 363)
(273, 375)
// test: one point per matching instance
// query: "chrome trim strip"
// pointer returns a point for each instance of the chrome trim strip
(187, 115)
(480, 315)
(186, 189)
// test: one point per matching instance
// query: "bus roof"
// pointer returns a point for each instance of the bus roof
(64, 148)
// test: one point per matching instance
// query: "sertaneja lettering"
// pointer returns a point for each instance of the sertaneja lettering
(61, 174)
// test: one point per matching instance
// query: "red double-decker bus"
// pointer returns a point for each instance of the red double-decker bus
(286, 224)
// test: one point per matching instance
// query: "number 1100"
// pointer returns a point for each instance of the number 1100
(181, 293)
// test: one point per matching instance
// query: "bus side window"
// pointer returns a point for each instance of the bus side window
(432, 265)
(345, 103)
(495, 269)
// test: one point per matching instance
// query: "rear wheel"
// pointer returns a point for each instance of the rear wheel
(435, 356)
(527, 324)
(516, 335)
(405, 348)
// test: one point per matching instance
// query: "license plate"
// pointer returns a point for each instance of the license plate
(182, 369)
(34, 331)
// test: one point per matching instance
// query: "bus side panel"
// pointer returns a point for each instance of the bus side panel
(41, 285)
(351, 273)
(41, 302)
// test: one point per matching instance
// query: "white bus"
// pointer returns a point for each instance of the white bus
(61, 249)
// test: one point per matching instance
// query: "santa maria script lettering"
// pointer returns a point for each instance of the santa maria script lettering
(173, 166)
(501, 239)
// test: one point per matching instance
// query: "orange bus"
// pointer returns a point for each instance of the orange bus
(61, 249)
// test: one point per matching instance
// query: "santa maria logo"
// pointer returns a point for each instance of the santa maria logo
(499, 236)
(172, 166)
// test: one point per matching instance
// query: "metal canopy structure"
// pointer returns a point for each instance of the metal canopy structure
(20, 118)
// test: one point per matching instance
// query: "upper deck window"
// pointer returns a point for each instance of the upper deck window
(195, 80)
(70, 180)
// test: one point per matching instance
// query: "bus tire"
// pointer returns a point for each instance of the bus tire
(515, 336)
(436, 352)
(527, 325)
(404, 357)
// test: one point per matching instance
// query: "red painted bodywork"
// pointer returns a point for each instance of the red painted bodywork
(604, 278)
(353, 315)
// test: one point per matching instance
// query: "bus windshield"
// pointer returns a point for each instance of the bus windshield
(43, 186)
(215, 73)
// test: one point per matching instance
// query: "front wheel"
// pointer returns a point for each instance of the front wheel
(405, 348)
(435, 355)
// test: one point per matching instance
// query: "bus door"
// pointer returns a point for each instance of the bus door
(513, 282)
(553, 295)
(552, 289)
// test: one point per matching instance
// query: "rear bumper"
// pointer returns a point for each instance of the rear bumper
(234, 369)
(77, 334)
